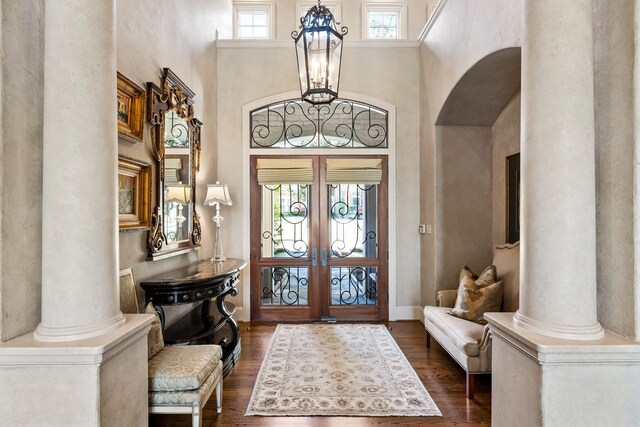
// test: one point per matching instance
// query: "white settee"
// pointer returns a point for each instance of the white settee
(469, 343)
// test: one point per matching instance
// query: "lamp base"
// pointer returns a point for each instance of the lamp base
(218, 259)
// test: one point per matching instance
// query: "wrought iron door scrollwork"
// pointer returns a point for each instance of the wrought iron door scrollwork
(292, 201)
(299, 124)
(282, 287)
(344, 214)
(353, 286)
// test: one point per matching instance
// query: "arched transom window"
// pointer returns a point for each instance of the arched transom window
(298, 124)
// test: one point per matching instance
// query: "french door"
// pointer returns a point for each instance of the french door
(319, 236)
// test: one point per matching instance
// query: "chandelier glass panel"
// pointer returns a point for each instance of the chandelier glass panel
(299, 124)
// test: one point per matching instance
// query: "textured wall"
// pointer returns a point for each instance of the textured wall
(463, 176)
(506, 141)
(613, 69)
(21, 160)
(465, 32)
(241, 82)
(154, 34)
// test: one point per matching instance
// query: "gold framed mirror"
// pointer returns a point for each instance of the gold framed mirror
(175, 137)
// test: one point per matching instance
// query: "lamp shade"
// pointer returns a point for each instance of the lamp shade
(178, 194)
(217, 193)
(319, 53)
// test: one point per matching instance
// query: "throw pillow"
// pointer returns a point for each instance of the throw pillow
(475, 300)
(467, 276)
(155, 338)
(467, 272)
(487, 277)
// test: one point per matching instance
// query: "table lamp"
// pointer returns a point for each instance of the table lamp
(217, 194)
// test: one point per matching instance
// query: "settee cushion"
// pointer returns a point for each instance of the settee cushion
(464, 334)
(187, 397)
(179, 368)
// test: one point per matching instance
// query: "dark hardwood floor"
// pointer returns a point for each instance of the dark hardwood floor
(441, 375)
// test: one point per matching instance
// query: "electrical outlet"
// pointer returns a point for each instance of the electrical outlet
(422, 229)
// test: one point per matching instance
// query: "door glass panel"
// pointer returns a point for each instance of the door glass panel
(353, 222)
(285, 221)
(354, 285)
(285, 286)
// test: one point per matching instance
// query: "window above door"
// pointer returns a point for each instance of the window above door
(384, 20)
(253, 20)
(298, 124)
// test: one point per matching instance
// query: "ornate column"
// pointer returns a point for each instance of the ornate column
(79, 224)
(558, 248)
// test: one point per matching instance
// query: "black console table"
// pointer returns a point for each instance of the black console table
(202, 281)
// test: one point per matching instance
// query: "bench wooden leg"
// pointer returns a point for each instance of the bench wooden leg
(471, 385)
(219, 396)
(197, 417)
(428, 339)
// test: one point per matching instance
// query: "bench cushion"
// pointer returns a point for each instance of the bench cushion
(464, 334)
(187, 397)
(180, 368)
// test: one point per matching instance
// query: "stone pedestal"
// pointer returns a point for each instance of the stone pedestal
(92, 382)
(539, 380)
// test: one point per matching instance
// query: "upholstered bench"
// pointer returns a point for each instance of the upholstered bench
(469, 343)
(182, 378)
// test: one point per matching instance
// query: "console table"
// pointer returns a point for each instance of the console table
(201, 281)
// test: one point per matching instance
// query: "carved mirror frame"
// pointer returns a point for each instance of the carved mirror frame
(172, 95)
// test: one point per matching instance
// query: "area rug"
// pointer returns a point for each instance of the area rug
(338, 370)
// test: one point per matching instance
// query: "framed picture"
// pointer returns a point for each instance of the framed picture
(131, 101)
(134, 193)
(513, 198)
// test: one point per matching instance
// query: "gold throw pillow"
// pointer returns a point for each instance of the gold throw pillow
(473, 301)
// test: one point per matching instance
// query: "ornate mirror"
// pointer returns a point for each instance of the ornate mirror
(175, 136)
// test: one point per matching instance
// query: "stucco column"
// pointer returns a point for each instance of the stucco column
(79, 219)
(558, 246)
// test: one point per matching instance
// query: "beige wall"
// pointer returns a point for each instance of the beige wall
(154, 34)
(463, 191)
(452, 46)
(22, 78)
(506, 141)
(242, 82)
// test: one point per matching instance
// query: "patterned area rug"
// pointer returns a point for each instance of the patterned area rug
(338, 370)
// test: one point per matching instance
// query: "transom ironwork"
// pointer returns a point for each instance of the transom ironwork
(299, 124)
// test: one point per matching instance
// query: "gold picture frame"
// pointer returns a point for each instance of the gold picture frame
(134, 194)
(130, 109)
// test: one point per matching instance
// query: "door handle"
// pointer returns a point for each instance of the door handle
(314, 257)
(323, 253)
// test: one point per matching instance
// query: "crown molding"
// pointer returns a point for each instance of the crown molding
(288, 44)
(432, 19)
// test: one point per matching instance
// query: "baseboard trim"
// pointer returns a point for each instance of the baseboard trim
(239, 315)
(408, 312)
(403, 312)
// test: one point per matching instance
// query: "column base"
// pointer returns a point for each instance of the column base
(584, 333)
(75, 333)
(541, 380)
(97, 381)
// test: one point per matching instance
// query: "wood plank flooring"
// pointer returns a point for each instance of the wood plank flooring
(441, 375)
